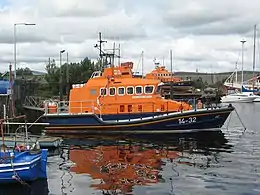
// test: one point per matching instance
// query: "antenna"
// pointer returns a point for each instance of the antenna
(100, 41)
(142, 64)
(119, 54)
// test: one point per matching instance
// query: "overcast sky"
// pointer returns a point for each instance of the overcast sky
(203, 34)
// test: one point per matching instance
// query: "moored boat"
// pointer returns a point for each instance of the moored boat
(238, 97)
(168, 78)
(113, 101)
(22, 163)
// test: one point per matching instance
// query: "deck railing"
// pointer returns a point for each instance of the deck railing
(33, 101)
(60, 107)
(83, 107)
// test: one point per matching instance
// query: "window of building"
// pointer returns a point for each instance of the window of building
(149, 89)
(121, 91)
(130, 90)
(112, 91)
(103, 91)
(138, 90)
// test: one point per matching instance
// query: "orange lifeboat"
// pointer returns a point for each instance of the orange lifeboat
(113, 101)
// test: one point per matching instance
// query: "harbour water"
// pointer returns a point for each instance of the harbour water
(226, 162)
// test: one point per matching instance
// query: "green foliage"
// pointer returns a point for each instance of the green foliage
(23, 71)
(78, 73)
(199, 84)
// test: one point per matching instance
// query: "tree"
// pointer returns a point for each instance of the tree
(199, 84)
(78, 73)
(23, 71)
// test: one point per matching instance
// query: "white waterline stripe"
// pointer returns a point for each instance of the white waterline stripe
(20, 164)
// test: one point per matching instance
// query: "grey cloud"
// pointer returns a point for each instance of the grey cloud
(211, 17)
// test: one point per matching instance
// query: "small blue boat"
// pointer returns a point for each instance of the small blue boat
(22, 163)
(25, 166)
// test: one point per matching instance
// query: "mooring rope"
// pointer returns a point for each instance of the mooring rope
(34, 122)
(17, 177)
(240, 120)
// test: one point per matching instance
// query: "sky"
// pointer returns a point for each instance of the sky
(204, 35)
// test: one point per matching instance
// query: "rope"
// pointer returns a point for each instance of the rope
(240, 120)
(34, 122)
(17, 178)
(229, 120)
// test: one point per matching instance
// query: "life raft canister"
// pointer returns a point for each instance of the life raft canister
(52, 107)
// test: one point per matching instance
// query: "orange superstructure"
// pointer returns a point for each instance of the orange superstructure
(116, 91)
(162, 74)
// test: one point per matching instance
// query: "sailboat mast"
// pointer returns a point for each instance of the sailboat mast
(142, 63)
(242, 74)
(236, 72)
(254, 55)
(171, 89)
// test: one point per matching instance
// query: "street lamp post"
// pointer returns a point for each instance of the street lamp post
(67, 76)
(16, 24)
(61, 94)
(242, 64)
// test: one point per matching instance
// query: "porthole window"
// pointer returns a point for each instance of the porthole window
(112, 91)
(138, 90)
(103, 91)
(130, 90)
(121, 91)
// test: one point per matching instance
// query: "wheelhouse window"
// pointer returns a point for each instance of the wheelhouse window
(121, 91)
(149, 89)
(158, 89)
(112, 91)
(139, 90)
(103, 91)
(130, 90)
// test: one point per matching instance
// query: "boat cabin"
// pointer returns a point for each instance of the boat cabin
(116, 91)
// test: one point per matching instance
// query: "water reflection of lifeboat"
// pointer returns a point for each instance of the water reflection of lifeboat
(120, 167)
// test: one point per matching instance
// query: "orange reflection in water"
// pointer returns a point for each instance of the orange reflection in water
(120, 167)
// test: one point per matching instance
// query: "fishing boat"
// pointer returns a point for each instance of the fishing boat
(23, 163)
(112, 101)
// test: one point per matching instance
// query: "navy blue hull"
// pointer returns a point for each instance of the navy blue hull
(174, 122)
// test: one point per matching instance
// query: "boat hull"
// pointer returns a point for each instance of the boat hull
(237, 99)
(167, 123)
(27, 168)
